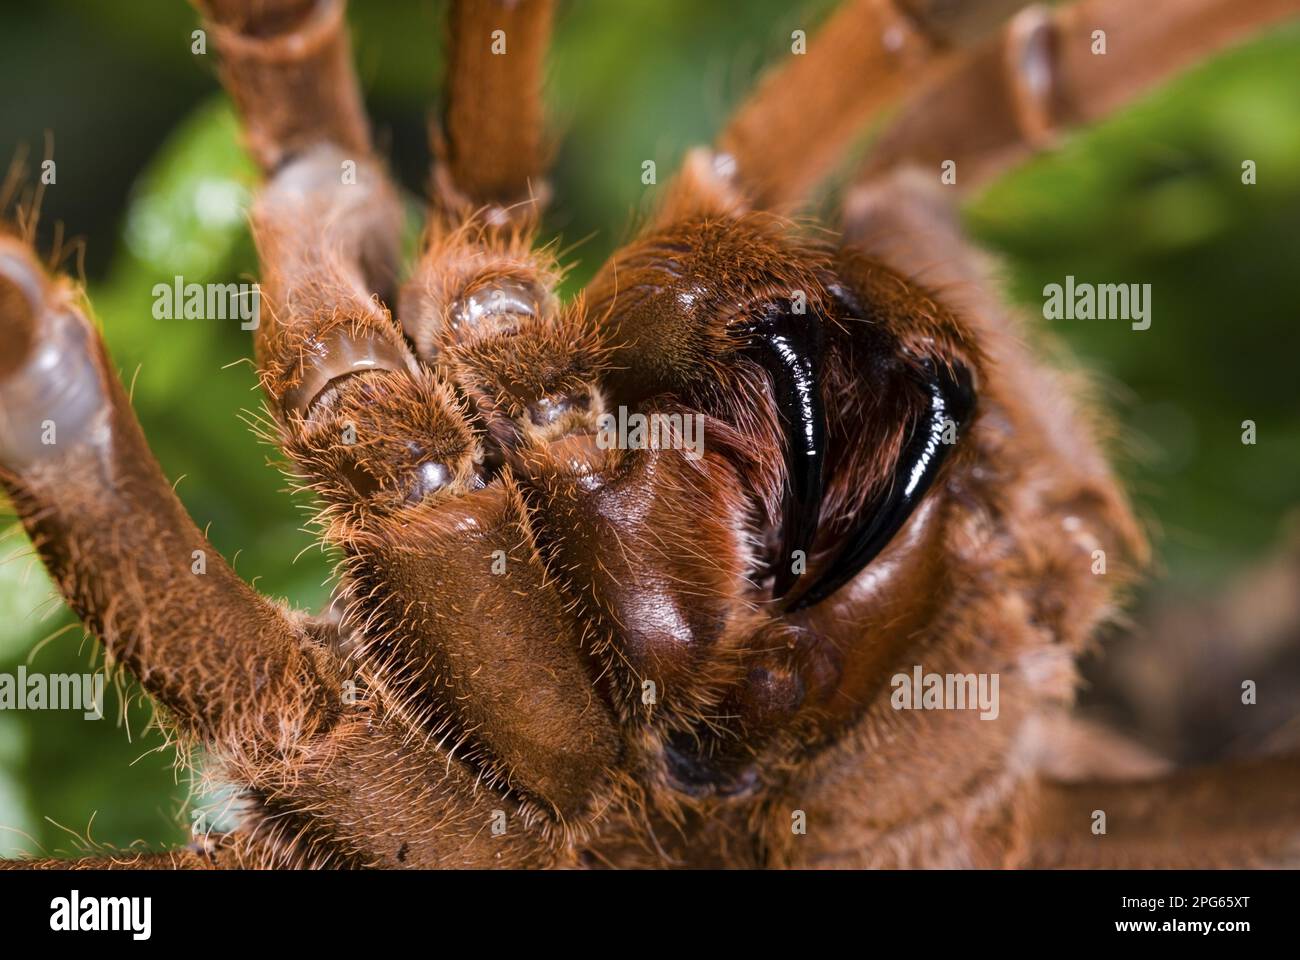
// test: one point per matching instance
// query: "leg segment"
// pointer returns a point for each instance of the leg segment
(288, 67)
(805, 113)
(494, 156)
(478, 272)
(170, 860)
(225, 661)
(327, 228)
(1238, 815)
(1011, 94)
(328, 221)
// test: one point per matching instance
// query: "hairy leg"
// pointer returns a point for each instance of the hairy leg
(494, 156)
(1238, 815)
(227, 663)
(1017, 91)
(288, 67)
(805, 113)
(233, 670)
(171, 860)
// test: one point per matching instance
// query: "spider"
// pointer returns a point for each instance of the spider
(555, 642)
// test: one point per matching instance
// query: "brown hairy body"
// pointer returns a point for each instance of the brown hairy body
(547, 650)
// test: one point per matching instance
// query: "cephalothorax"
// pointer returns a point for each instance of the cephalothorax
(547, 648)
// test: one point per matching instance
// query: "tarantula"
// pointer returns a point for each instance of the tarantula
(547, 648)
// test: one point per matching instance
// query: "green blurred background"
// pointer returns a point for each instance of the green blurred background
(151, 176)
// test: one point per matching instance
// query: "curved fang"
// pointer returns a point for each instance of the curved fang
(789, 347)
(951, 399)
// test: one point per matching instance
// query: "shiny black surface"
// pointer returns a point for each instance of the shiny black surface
(950, 396)
(789, 347)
